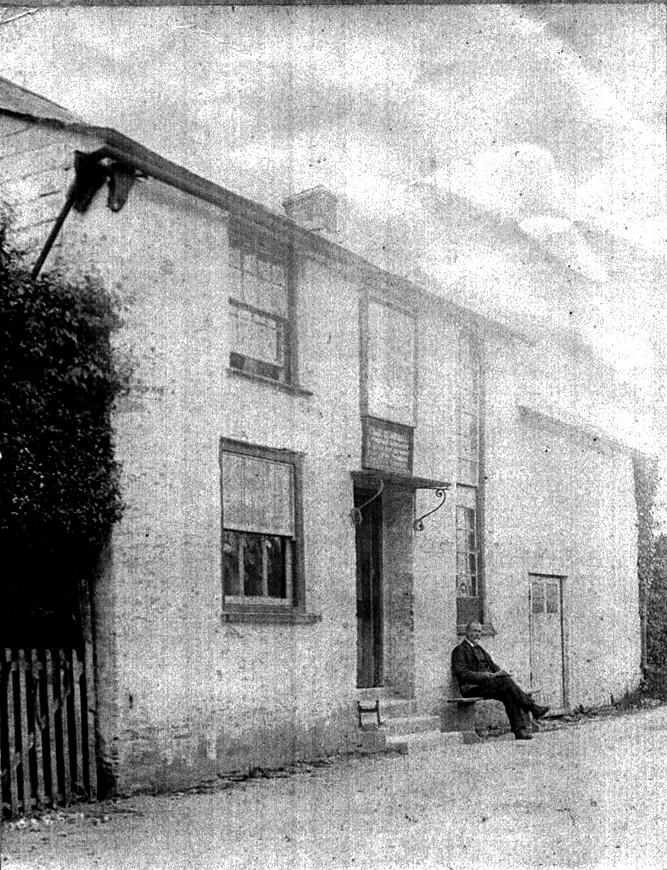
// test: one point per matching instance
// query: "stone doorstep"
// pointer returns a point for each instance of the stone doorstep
(390, 705)
(402, 728)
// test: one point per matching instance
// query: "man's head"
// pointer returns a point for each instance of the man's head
(474, 631)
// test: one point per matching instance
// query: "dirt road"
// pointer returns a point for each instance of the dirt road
(588, 794)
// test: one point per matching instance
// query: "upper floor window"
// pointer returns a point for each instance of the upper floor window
(391, 363)
(260, 520)
(261, 304)
(468, 406)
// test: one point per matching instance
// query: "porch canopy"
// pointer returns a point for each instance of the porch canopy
(377, 479)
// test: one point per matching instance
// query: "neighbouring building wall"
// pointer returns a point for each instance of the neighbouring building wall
(560, 503)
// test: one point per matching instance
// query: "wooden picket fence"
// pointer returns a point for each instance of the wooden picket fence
(47, 733)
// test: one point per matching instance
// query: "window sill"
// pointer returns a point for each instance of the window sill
(268, 616)
(279, 385)
(487, 630)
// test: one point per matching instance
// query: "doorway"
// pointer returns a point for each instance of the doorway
(370, 623)
(546, 639)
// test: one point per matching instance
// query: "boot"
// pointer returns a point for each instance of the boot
(539, 711)
(523, 734)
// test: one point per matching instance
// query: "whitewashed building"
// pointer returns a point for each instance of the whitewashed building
(329, 466)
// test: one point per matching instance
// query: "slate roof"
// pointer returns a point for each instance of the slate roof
(20, 101)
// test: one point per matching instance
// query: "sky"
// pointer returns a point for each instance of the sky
(367, 99)
(547, 118)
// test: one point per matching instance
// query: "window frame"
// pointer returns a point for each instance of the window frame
(464, 607)
(404, 306)
(268, 610)
(265, 241)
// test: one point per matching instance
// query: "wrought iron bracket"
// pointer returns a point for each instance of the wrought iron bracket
(418, 524)
(355, 513)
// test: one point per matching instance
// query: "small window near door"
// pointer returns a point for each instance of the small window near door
(468, 592)
(545, 594)
(553, 597)
(538, 598)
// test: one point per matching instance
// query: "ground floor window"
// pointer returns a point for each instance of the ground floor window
(468, 567)
(260, 525)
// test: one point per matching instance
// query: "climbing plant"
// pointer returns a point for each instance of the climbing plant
(652, 575)
(656, 640)
(59, 479)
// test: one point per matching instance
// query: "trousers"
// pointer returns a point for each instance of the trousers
(503, 688)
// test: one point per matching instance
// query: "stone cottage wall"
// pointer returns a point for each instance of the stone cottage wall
(184, 695)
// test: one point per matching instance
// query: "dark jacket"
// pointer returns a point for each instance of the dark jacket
(471, 665)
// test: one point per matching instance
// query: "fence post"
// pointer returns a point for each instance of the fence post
(11, 736)
(39, 723)
(91, 693)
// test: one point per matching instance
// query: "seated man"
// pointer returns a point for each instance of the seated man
(479, 676)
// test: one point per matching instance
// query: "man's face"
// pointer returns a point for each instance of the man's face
(474, 632)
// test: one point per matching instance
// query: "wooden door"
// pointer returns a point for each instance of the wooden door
(546, 639)
(369, 591)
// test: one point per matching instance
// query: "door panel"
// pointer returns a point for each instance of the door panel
(369, 591)
(546, 639)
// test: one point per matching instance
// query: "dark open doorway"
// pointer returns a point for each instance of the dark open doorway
(369, 590)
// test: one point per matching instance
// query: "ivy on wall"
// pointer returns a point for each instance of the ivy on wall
(656, 640)
(59, 480)
(652, 575)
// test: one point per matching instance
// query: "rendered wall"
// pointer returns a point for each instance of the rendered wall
(183, 695)
(560, 501)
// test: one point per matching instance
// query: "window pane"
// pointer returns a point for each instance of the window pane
(468, 412)
(538, 597)
(552, 598)
(279, 275)
(468, 471)
(257, 495)
(462, 566)
(235, 257)
(252, 564)
(467, 549)
(230, 563)
(264, 269)
(391, 363)
(249, 263)
(275, 559)
(468, 609)
(462, 587)
(235, 286)
(275, 299)
(257, 336)
(252, 294)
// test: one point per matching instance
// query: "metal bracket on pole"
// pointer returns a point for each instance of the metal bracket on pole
(418, 524)
(355, 513)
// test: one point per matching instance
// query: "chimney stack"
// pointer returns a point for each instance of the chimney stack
(315, 209)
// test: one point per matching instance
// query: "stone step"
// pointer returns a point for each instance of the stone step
(390, 704)
(396, 708)
(424, 740)
(410, 724)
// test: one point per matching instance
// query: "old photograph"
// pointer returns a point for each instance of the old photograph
(333, 516)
